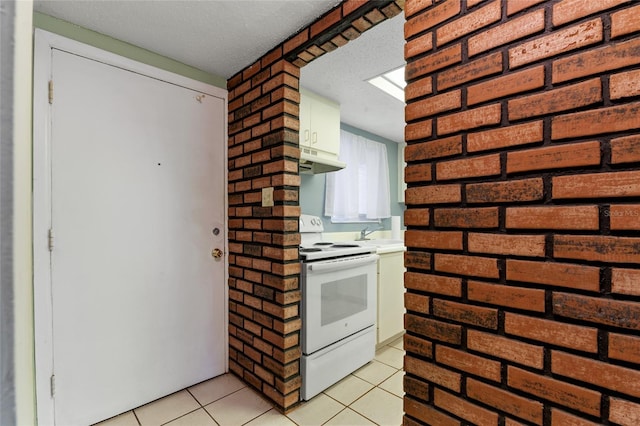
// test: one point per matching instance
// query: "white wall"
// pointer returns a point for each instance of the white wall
(17, 392)
(7, 396)
(22, 259)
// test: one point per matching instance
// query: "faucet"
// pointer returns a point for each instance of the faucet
(366, 231)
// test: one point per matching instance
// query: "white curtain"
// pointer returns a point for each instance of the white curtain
(360, 191)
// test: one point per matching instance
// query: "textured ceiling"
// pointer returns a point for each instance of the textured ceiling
(222, 37)
(341, 76)
(218, 36)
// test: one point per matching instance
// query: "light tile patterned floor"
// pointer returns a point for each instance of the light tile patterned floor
(371, 395)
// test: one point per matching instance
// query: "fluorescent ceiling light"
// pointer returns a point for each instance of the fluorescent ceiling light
(391, 82)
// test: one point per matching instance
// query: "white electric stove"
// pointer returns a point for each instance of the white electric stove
(338, 282)
(314, 247)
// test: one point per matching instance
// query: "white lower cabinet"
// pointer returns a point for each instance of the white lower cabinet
(390, 295)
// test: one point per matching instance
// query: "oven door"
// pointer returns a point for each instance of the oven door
(338, 299)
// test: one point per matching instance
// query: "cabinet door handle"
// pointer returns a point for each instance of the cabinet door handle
(306, 135)
(314, 137)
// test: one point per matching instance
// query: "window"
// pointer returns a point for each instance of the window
(360, 191)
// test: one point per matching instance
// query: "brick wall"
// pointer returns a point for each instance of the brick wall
(523, 216)
(264, 317)
(264, 292)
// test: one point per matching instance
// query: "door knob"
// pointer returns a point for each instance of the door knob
(216, 253)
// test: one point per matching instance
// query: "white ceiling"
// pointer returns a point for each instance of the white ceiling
(341, 76)
(222, 37)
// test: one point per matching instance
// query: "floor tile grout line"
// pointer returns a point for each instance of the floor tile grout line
(211, 416)
(334, 416)
(201, 406)
(339, 402)
(390, 393)
(374, 386)
(291, 420)
(348, 408)
(344, 407)
(236, 391)
(362, 396)
(388, 365)
(136, 417)
(182, 415)
(223, 397)
(362, 414)
(259, 415)
(194, 397)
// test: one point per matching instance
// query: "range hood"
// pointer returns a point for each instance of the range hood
(312, 164)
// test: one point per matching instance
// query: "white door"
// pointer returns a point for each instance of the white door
(137, 206)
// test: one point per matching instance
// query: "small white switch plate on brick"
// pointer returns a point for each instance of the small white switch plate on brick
(267, 197)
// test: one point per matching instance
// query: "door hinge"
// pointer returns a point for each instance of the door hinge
(51, 91)
(53, 385)
(50, 239)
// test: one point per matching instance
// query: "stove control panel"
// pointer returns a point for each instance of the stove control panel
(309, 223)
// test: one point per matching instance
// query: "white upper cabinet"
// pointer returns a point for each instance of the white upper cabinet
(319, 124)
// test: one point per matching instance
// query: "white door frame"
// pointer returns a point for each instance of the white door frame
(43, 312)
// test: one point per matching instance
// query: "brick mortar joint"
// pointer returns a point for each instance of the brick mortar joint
(329, 33)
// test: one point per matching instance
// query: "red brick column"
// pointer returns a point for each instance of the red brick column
(264, 290)
(264, 294)
(523, 220)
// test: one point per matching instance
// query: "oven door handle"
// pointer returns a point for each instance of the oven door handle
(343, 264)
